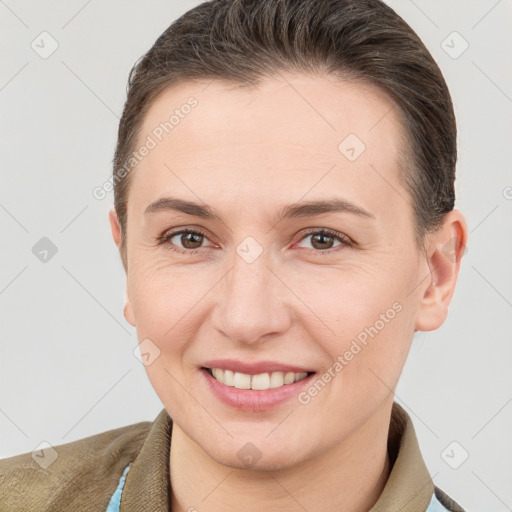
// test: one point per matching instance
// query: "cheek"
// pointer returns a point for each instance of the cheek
(363, 318)
(344, 301)
(165, 307)
(166, 301)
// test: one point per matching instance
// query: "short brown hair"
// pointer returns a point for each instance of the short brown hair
(245, 41)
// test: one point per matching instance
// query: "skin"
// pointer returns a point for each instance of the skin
(247, 153)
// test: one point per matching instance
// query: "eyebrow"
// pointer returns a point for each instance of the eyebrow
(295, 210)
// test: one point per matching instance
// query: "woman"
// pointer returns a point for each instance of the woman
(284, 210)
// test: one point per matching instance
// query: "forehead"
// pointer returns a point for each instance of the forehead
(287, 133)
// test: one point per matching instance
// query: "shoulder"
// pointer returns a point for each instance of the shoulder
(80, 475)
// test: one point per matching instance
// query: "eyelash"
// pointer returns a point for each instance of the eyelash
(344, 239)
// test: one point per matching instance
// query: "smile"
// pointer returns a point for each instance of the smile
(255, 392)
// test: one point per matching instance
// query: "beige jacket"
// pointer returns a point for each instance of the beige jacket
(86, 472)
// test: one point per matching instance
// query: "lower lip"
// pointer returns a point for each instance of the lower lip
(253, 400)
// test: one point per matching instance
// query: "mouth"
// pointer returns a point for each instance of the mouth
(255, 392)
(259, 382)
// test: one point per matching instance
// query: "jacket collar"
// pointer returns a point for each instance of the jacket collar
(147, 484)
(409, 486)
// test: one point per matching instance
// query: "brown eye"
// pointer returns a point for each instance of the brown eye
(191, 240)
(184, 240)
(322, 240)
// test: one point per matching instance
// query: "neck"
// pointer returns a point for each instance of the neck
(349, 477)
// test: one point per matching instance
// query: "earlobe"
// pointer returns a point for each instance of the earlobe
(128, 311)
(445, 250)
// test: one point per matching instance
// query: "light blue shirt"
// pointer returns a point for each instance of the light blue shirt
(115, 501)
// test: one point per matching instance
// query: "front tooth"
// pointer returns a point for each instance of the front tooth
(300, 375)
(289, 378)
(229, 377)
(242, 381)
(218, 374)
(260, 381)
(276, 379)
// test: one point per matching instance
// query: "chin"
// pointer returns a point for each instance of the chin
(257, 457)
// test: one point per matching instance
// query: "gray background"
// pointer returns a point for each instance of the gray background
(67, 364)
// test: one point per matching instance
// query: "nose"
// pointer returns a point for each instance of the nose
(253, 303)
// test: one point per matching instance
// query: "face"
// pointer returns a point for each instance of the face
(268, 234)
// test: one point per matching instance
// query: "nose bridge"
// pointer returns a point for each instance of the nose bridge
(251, 304)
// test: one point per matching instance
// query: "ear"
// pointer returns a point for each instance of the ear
(444, 250)
(115, 226)
(117, 234)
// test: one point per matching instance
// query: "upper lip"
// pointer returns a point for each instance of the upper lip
(255, 367)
